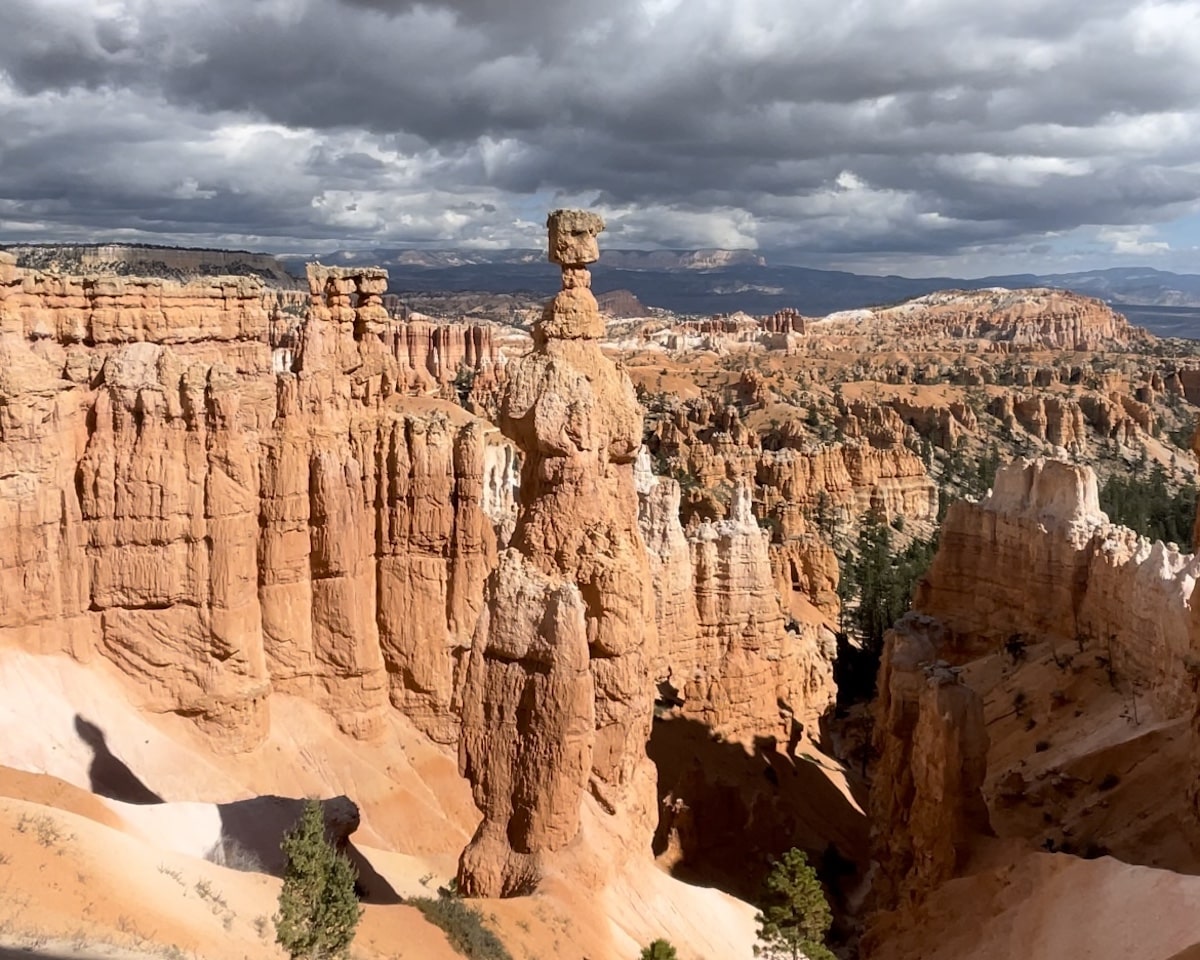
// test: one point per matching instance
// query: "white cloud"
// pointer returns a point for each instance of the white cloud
(925, 131)
(1133, 241)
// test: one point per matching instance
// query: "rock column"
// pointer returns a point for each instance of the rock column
(926, 801)
(557, 699)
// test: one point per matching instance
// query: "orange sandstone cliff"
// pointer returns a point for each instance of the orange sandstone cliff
(927, 801)
(222, 504)
(727, 655)
(1038, 558)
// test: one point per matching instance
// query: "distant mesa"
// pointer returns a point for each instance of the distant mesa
(621, 304)
(162, 263)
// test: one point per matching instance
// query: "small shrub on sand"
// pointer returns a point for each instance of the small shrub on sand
(463, 926)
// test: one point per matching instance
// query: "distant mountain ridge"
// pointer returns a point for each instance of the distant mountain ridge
(149, 260)
(698, 282)
(666, 260)
(717, 281)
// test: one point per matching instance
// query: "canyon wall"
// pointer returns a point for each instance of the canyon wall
(926, 801)
(728, 657)
(791, 486)
(219, 524)
(1038, 558)
(224, 497)
(717, 447)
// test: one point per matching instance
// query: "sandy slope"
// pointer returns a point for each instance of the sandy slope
(1075, 769)
(115, 880)
(69, 879)
(1052, 907)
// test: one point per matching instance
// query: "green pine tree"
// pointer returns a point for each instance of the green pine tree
(318, 908)
(658, 950)
(795, 915)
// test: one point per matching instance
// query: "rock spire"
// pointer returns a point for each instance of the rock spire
(557, 699)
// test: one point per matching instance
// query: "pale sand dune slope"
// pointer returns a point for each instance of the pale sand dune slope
(69, 880)
(407, 788)
(1053, 907)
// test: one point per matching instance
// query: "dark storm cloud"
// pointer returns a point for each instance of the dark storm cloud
(924, 127)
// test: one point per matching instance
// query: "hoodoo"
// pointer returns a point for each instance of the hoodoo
(557, 697)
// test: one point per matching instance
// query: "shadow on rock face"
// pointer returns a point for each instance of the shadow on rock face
(726, 811)
(109, 775)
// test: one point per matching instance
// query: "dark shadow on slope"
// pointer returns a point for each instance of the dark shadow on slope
(109, 775)
(846, 732)
(251, 830)
(725, 812)
(255, 827)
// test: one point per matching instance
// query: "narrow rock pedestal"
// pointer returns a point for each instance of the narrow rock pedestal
(557, 699)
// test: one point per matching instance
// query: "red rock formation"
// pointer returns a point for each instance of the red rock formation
(1038, 558)
(220, 524)
(1189, 384)
(441, 351)
(788, 320)
(779, 331)
(1038, 318)
(926, 798)
(725, 649)
(752, 389)
(884, 424)
(621, 304)
(557, 697)
(716, 447)
(854, 477)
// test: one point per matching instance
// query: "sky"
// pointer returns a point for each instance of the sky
(921, 137)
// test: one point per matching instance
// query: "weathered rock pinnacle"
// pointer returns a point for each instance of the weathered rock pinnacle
(573, 312)
(558, 696)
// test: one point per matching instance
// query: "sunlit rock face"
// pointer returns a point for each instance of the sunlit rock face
(226, 501)
(558, 694)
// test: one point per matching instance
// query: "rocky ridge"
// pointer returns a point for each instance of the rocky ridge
(1038, 558)
(138, 260)
(1001, 319)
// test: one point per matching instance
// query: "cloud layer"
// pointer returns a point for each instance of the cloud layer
(885, 133)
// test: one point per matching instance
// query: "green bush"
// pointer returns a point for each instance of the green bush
(318, 909)
(1144, 501)
(876, 586)
(795, 915)
(658, 950)
(463, 926)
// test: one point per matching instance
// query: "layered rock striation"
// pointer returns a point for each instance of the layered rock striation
(1003, 320)
(1038, 558)
(728, 655)
(556, 698)
(220, 522)
(794, 473)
